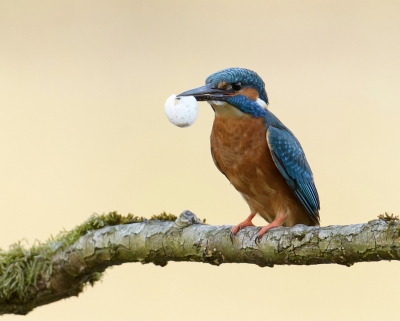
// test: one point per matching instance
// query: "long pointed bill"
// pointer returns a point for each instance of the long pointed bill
(206, 92)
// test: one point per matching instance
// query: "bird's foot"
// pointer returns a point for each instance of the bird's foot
(277, 222)
(246, 222)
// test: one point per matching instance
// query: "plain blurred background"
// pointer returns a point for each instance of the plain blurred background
(83, 130)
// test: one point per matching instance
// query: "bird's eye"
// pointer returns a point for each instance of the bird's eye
(237, 86)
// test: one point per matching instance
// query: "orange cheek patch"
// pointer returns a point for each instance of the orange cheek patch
(249, 92)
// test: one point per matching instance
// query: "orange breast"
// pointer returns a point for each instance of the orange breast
(240, 151)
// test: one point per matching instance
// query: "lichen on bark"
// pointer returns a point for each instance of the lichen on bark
(81, 260)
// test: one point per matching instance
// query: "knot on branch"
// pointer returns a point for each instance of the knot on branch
(186, 218)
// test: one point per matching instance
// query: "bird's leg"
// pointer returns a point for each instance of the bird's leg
(278, 221)
(246, 222)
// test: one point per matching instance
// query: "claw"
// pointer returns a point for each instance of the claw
(231, 235)
(257, 240)
(246, 222)
(279, 220)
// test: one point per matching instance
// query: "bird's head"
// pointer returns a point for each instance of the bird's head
(238, 87)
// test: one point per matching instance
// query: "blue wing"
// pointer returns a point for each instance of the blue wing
(292, 163)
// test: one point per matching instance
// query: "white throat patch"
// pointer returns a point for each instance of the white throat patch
(262, 103)
(224, 109)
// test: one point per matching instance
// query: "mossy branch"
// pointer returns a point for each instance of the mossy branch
(62, 267)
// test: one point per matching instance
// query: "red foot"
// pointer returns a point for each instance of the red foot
(246, 222)
(278, 221)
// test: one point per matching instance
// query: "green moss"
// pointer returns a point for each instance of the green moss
(94, 222)
(164, 217)
(389, 217)
(94, 277)
(167, 217)
(21, 268)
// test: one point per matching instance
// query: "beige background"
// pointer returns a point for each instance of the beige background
(82, 130)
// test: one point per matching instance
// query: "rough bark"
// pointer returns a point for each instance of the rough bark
(188, 239)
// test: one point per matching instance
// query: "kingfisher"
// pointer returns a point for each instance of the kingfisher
(258, 154)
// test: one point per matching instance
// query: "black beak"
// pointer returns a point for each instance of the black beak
(207, 92)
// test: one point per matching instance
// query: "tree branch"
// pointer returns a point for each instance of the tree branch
(188, 239)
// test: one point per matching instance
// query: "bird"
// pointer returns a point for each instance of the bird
(257, 153)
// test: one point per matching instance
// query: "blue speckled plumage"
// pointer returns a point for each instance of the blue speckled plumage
(258, 154)
(286, 152)
(247, 106)
(292, 164)
(245, 76)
